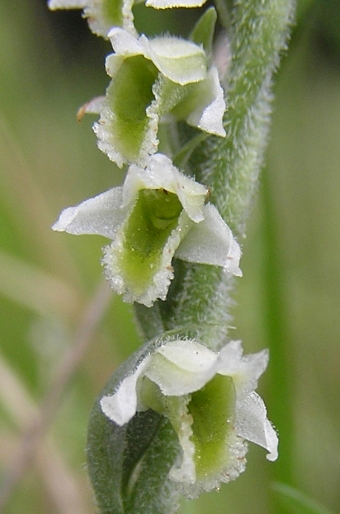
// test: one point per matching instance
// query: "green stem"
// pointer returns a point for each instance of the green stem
(200, 295)
(199, 300)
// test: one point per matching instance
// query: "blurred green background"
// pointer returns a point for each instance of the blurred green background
(62, 334)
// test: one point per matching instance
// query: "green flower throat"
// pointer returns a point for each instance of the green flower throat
(154, 217)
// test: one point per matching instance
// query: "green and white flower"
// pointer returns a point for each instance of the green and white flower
(210, 400)
(102, 15)
(159, 213)
(165, 78)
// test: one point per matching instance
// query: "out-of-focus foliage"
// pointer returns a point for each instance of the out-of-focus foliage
(288, 299)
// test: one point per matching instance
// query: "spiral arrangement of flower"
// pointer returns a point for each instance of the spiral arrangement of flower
(175, 418)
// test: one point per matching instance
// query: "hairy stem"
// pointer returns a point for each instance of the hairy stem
(201, 295)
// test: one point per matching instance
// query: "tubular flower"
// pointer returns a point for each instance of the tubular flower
(102, 15)
(157, 214)
(165, 78)
(210, 400)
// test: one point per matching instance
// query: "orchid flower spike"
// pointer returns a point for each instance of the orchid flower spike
(102, 15)
(157, 214)
(153, 80)
(210, 401)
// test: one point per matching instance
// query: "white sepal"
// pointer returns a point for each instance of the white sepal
(122, 406)
(208, 115)
(252, 424)
(100, 215)
(211, 242)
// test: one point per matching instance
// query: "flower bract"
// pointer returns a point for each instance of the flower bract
(157, 214)
(165, 78)
(210, 400)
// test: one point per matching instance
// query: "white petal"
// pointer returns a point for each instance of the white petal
(162, 174)
(99, 215)
(231, 356)
(179, 60)
(171, 369)
(211, 242)
(252, 424)
(173, 380)
(244, 370)
(189, 355)
(209, 115)
(165, 4)
(123, 43)
(122, 406)
(67, 4)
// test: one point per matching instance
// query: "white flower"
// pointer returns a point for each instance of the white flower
(159, 213)
(102, 15)
(163, 78)
(211, 402)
